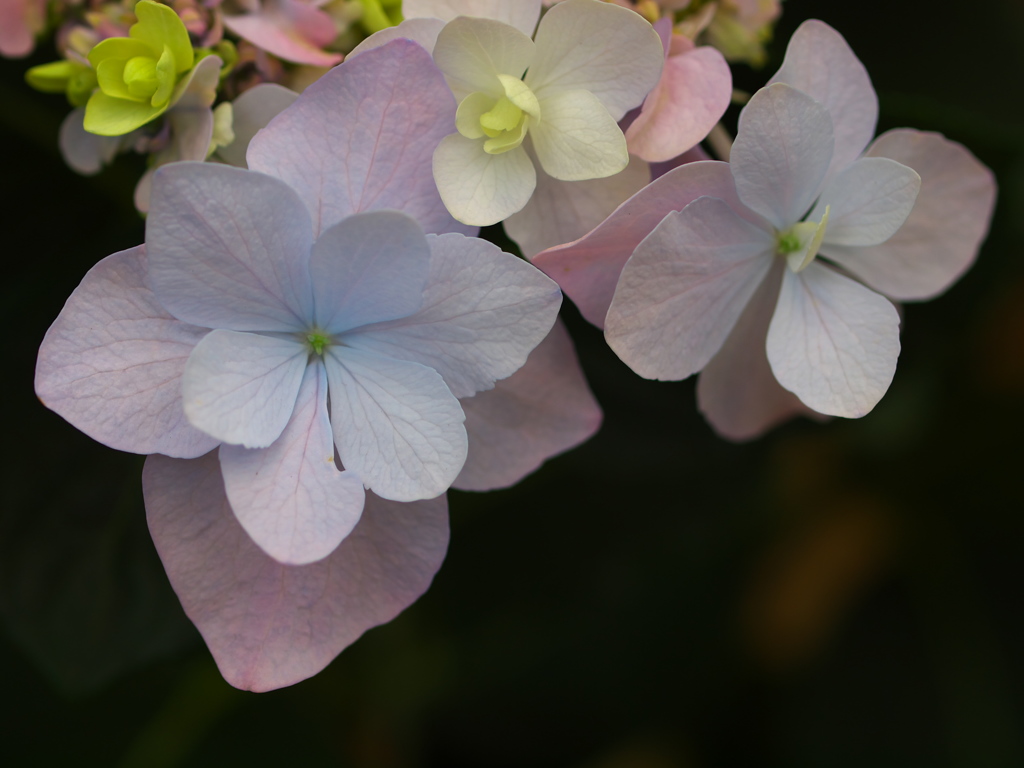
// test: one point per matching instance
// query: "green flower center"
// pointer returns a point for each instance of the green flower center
(501, 121)
(317, 340)
(800, 243)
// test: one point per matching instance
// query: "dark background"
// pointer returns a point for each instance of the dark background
(844, 594)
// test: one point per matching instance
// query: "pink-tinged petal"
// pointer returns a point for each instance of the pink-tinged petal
(424, 32)
(480, 188)
(229, 248)
(820, 63)
(868, 201)
(782, 150)
(396, 424)
(290, 30)
(737, 391)
(291, 498)
(270, 625)
(250, 113)
(86, 152)
(111, 363)
(483, 312)
(472, 52)
(20, 20)
(695, 155)
(521, 14)
(832, 342)
(613, 53)
(397, 108)
(541, 410)
(588, 269)
(562, 211)
(684, 288)
(241, 387)
(940, 239)
(368, 268)
(692, 95)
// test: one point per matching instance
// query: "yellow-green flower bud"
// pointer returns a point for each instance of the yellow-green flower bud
(138, 74)
(75, 80)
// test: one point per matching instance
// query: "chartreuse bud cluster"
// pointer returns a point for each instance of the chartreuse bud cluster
(138, 75)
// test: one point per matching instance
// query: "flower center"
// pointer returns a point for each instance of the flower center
(502, 122)
(140, 77)
(800, 243)
(317, 340)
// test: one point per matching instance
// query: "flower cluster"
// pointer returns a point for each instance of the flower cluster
(313, 345)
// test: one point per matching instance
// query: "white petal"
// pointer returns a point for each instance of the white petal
(736, 391)
(423, 32)
(781, 153)
(483, 311)
(611, 52)
(473, 52)
(479, 188)
(868, 202)
(241, 387)
(832, 342)
(85, 152)
(112, 361)
(577, 139)
(229, 248)
(395, 424)
(270, 625)
(369, 267)
(250, 113)
(820, 63)
(684, 288)
(563, 211)
(940, 239)
(521, 14)
(541, 410)
(291, 498)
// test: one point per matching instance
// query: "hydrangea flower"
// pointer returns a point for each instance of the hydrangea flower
(783, 333)
(690, 97)
(589, 64)
(138, 75)
(222, 331)
(832, 342)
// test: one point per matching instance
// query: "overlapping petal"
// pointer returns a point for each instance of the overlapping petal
(940, 239)
(111, 363)
(229, 248)
(868, 201)
(692, 95)
(395, 424)
(483, 312)
(562, 211)
(588, 269)
(472, 52)
(577, 138)
(541, 410)
(737, 391)
(820, 63)
(368, 268)
(684, 288)
(397, 108)
(250, 113)
(424, 32)
(270, 625)
(781, 154)
(609, 51)
(291, 498)
(832, 342)
(521, 14)
(479, 188)
(241, 387)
